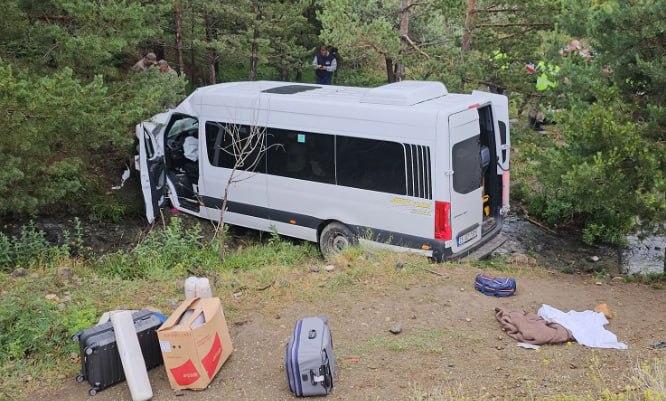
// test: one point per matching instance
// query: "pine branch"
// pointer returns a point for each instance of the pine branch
(512, 25)
(528, 29)
(48, 18)
(414, 46)
(496, 10)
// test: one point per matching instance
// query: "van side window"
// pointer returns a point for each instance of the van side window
(224, 143)
(371, 164)
(418, 171)
(301, 155)
(467, 165)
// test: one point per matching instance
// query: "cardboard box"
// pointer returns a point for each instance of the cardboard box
(194, 349)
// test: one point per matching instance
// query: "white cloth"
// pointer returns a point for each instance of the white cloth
(191, 148)
(587, 327)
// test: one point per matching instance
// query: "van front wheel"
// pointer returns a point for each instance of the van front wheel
(335, 238)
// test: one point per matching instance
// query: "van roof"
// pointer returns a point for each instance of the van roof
(406, 109)
(401, 94)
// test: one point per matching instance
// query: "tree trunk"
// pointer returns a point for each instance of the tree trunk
(212, 78)
(399, 74)
(254, 58)
(158, 49)
(192, 37)
(389, 69)
(179, 38)
(284, 70)
(469, 25)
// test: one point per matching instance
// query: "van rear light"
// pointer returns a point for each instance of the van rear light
(442, 220)
(505, 190)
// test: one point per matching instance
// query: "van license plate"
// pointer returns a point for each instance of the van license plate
(466, 237)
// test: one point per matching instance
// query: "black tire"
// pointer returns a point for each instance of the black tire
(335, 238)
(93, 391)
(80, 378)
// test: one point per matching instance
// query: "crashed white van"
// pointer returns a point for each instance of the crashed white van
(405, 165)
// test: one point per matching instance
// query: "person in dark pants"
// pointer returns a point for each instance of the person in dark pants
(324, 64)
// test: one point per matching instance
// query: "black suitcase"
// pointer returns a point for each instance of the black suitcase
(100, 360)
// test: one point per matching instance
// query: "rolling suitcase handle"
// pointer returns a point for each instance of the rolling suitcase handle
(325, 377)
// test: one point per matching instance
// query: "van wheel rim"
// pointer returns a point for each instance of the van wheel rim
(340, 243)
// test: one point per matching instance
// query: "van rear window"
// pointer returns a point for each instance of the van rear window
(467, 165)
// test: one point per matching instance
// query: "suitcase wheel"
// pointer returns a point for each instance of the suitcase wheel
(80, 378)
(93, 391)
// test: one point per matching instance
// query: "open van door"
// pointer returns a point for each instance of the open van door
(466, 181)
(151, 166)
(500, 107)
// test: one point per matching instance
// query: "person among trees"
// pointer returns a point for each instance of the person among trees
(574, 47)
(146, 62)
(324, 64)
(166, 68)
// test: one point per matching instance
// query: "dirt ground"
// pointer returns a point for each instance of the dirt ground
(450, 347)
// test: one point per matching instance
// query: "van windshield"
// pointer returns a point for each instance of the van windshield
(185, 124)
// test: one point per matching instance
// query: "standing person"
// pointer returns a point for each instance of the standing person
(324, 64)
(147, 61)
(166, 68)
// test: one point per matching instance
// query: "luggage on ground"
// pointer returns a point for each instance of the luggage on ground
(100, 360)
(497, 286)
(309, 360)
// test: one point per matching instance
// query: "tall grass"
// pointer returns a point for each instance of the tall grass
(30, 248)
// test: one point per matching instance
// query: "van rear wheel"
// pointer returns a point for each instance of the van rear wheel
(335, 238)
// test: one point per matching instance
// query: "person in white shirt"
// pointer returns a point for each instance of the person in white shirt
(324, 64)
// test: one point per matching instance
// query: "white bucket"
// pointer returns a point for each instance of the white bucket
(190, 287)
(203, 289)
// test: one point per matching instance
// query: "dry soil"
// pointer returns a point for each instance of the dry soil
(450, 347)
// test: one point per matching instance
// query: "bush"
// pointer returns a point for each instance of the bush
(54, 125)
(604, 172)
(170, 250)
(30, 248)
(34, 327)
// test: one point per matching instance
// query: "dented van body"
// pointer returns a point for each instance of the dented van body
(406, 165)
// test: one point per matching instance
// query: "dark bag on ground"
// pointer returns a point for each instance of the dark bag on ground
(309, 361)
(497, 286)
(100, 360)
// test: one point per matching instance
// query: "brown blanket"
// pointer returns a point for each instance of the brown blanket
(530, 328)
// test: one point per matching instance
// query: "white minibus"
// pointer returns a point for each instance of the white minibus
(406, 165)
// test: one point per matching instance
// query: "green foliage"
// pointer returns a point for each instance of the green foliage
(277, 251)
(60, 112)
(174, 250)
(108, 211)
(87, 37)
(360, 78)
(604, 171)
(34, 327)
(167, 251)
(362, 30)
(55, 126)
(30, 248)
